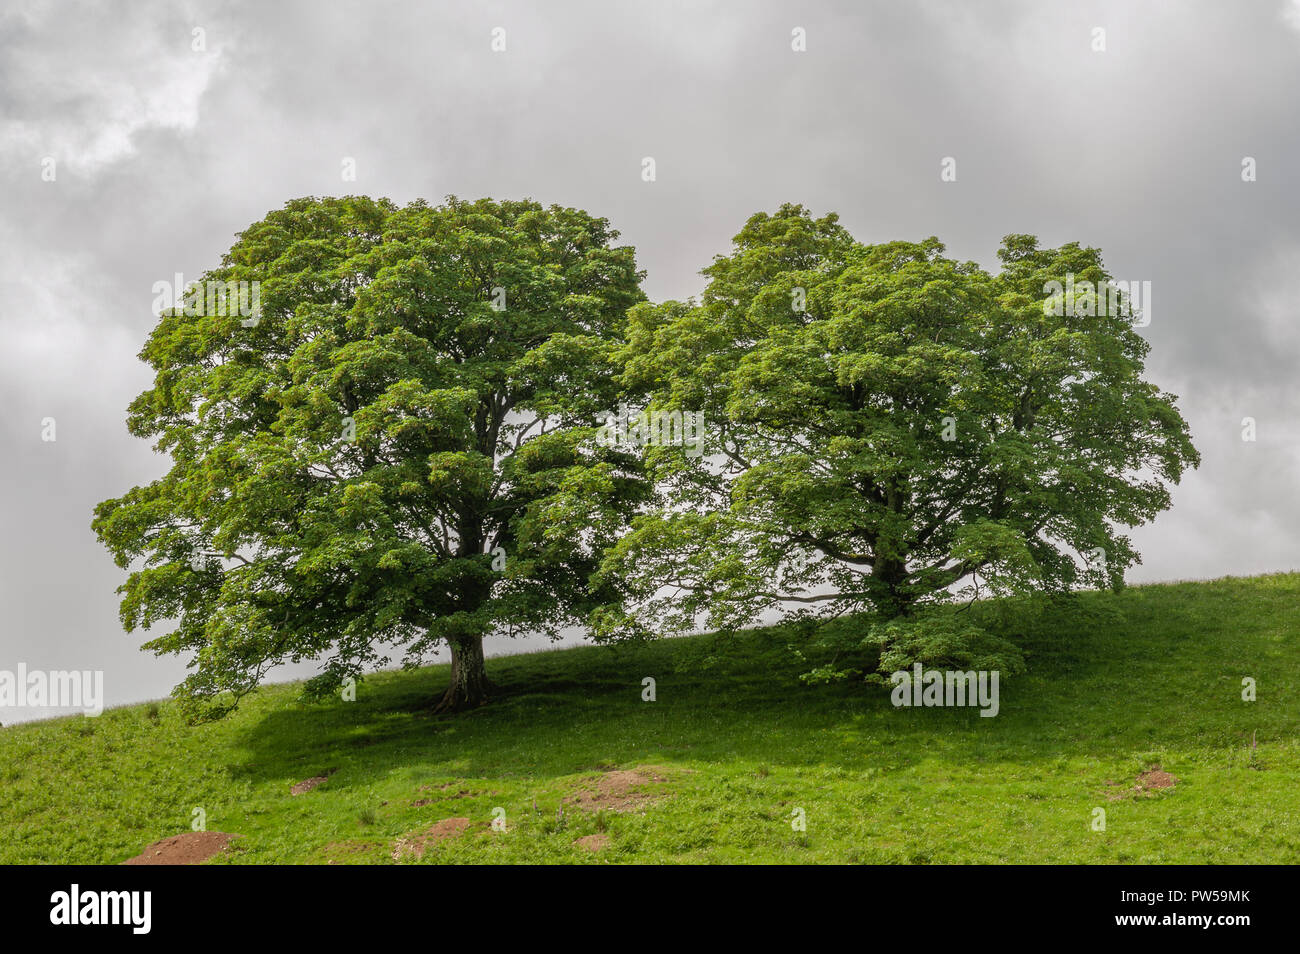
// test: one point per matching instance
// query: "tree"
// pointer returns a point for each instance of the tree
(889, 429)
(393, 453)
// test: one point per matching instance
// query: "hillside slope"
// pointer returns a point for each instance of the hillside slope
(714, 769)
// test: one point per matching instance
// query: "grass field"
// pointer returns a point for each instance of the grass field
(1152, 676)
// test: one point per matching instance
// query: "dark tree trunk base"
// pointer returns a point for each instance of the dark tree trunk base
(469, 686)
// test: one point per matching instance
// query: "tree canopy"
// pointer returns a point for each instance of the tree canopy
(404, 447)
(888, 430)
(394, 453)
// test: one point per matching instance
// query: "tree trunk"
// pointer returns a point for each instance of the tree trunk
(895, 597)
(469, 685)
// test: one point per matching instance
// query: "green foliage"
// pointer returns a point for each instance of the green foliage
(343, 466)
(888, 430)
(942, 640)
(937, 638)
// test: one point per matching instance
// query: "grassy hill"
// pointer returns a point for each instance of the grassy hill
(712, 770)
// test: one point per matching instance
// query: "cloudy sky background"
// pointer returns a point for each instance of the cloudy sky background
(163, 153)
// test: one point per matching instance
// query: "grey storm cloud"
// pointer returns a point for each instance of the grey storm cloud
(163, 151)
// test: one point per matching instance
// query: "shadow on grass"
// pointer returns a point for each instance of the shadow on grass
(1103, 680)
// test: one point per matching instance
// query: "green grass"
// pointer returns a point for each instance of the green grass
(1152, 675)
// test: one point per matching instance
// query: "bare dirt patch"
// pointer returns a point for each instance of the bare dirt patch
(187, 848)
(306, 785)
(1147, 783)
(417, 844)
(620, 790)
(1154, 778)
(593, 843)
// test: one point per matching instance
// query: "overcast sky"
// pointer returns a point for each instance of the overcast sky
(162, 152)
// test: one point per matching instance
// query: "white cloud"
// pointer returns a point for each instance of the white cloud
(87, 111)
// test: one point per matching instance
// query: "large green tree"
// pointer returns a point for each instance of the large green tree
(889, 429)
(394, 454)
